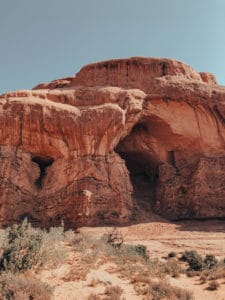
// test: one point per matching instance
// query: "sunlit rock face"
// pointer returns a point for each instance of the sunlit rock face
(78, 148)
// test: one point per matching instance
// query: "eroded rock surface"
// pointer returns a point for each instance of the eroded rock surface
(81, 149)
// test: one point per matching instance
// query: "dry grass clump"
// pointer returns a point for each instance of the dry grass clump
(87, 258)
(52, 252)
(77, 273)
(172, 268)
(213, 275)
(3, 240)
(161, 289)
(113, 292)
(22, 286)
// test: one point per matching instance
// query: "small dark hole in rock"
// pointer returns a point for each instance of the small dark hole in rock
(43, 163)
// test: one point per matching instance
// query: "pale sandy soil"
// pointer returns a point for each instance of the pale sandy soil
(160, 237)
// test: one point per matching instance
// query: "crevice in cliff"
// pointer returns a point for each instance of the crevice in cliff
(164, 67)
(43, 163)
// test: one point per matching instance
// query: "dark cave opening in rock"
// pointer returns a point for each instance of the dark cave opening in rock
(143, 166)
(43, 163)
(143, 175)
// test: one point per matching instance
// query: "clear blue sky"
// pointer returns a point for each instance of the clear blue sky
(42, 40)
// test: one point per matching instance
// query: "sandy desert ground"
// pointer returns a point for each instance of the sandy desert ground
(160, 237)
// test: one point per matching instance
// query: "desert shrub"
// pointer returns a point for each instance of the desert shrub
(77, 273)
(113, 292)
(115, 246)
(52, 253)
(172, 268)
(20, 286)
(163, 290)
(136, 250)
(3, 238)
(80, 242)
(22, 250)
(114, 238)
(26, 247)
(69, 236)
(210, 261)
(55, 234)
(141, 250)
(213, 285)
(172, 254)
(194, 260)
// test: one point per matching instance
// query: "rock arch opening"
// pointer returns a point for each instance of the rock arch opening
(43, 163)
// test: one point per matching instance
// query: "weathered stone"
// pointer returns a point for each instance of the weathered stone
(78, 148)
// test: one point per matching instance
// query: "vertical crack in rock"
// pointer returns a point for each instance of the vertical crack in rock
(164, 68)
(43, 163)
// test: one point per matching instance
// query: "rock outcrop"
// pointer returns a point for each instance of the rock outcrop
(79, 149)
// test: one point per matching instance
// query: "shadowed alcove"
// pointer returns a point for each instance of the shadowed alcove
(142, 164)
(43, 163)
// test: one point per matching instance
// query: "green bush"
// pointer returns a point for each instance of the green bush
(194, 260)
(22, 250)
(114, 238)
(210, 261)
(140, 250)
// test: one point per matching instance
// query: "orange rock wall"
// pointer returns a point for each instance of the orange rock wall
(61, 144)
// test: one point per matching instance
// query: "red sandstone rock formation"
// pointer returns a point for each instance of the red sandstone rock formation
(78, 148)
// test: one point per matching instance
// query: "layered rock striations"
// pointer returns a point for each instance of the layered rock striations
(80, 149)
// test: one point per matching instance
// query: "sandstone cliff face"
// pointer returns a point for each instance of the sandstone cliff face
(78, 149)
